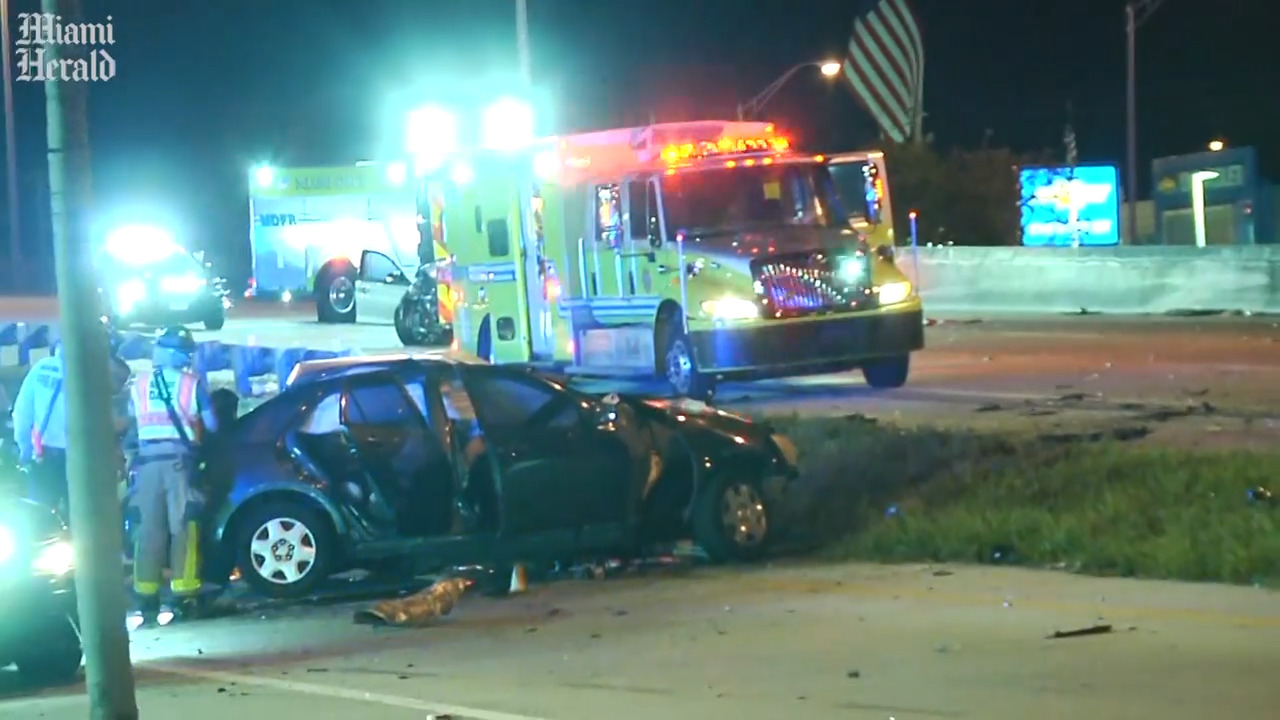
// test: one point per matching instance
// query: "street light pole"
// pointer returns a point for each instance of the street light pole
(96, 525)
(1136, 12)
(11, 150)
(522, 42)
(748, 110)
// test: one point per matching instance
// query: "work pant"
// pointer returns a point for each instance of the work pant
(47, 479)
(167, 508)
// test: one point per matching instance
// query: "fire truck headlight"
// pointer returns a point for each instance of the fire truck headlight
(731, 308)
(507, 125)
(894, 292)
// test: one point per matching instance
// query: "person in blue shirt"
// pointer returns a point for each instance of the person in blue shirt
(40, 424)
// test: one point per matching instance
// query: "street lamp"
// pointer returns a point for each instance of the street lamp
(747, 110)
(1216, 145)
(1197, 202)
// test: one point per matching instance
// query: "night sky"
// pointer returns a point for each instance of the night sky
(206, 89)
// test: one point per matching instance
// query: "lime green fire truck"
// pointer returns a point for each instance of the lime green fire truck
(693, 251)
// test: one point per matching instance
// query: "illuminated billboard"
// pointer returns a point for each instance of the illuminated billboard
(1066, 207)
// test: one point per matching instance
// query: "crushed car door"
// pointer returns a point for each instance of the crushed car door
(379, 287)
(556, 471)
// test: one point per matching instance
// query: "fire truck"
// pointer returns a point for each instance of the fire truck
(695, 251)
(353, 236)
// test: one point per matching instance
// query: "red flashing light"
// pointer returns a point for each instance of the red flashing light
(724, 146)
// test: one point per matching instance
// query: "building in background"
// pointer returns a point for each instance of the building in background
(1238, 204)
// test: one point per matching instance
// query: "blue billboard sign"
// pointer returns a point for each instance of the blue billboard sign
(1066, 207)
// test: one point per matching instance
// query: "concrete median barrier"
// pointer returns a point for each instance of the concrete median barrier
(22, 343)
(1123, 280)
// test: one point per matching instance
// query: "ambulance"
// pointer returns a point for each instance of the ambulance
(694, 252)
(352, 236)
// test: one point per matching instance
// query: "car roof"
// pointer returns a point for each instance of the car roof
(309, 371)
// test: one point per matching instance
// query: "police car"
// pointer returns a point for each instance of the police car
(151, 280)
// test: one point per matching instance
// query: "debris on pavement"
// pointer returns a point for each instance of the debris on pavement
(1081, 632)
(419, 609)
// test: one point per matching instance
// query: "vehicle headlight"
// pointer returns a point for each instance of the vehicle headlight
(129, 294)
(894, 292)
(181, 284)
(731, 308)
(7, 544)
(57, 558)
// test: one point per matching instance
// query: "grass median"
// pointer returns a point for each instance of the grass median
(1088, 503)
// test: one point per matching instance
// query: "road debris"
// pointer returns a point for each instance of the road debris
(419, 609)
(1080, 632)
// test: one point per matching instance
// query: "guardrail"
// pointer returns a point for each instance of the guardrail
(246, 362)
(1128, 280)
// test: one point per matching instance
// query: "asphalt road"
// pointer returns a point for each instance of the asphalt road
(789, 641)
(844, 641)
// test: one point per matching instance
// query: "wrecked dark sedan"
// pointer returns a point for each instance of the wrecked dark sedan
(422, 463)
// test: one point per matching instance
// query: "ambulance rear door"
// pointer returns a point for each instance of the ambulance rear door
(496, 298)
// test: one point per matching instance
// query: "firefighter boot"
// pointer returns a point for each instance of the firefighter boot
(146, 611)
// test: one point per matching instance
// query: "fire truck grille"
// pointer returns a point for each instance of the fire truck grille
(805, 284)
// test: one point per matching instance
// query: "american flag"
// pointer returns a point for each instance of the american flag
(885, 65)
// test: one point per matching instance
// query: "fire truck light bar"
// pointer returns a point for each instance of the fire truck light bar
(724, 146)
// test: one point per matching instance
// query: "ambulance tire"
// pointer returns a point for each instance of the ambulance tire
(680, 368)
(336, 295)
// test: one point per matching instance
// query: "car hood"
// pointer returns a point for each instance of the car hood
(706, 427)
(29, 521)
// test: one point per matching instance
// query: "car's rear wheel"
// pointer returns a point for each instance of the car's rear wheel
(336, 296)
(732, 521)
(887, 373)
(285, 549)
(54, 659)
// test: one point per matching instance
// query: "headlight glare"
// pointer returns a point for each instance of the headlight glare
(731, 308)
(56, 558)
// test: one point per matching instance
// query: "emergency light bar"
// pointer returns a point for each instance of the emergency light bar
(725, 146)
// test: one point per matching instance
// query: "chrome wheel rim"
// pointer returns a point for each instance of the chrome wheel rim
(342, 295)
(679, 367)
(744, 516)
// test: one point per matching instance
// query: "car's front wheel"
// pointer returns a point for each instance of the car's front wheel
(732, 521)
(54, 659)
(285, 548)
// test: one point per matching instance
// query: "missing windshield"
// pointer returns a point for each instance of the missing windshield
(742, 198)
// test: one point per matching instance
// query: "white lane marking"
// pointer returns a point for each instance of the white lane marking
(341, 693)
(48, 702)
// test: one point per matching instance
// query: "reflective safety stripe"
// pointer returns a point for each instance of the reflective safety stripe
(153, 419)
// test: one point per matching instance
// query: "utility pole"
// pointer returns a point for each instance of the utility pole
(522, 43)
(16, 271)
(1136, 12)
(96, 525)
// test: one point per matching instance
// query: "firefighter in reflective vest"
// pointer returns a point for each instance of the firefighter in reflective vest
(172, 411)
(40, 423)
